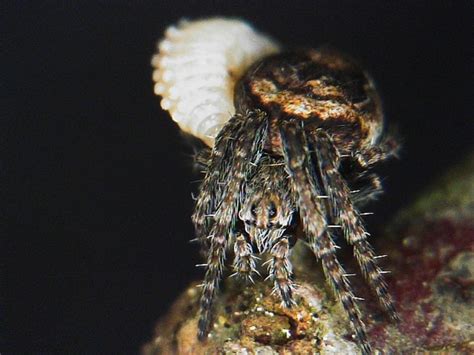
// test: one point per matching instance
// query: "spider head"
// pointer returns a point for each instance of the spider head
(266, 209)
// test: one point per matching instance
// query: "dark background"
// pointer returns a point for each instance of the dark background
(96, 180)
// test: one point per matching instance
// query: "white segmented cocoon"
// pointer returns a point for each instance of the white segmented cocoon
(196, 69)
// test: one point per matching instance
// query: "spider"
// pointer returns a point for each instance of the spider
(307, 129)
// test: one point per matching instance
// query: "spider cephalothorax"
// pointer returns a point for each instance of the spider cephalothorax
(307, 129)
(278, 163)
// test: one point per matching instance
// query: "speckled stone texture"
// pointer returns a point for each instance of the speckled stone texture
(430, 248)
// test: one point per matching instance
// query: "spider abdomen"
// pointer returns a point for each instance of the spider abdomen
(321, 87)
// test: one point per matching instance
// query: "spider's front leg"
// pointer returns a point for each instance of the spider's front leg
(202, 159)
(244, 258)
(217, 164)
(249, 133)
(368, 184)
(349, 218)
(312, 214)
(385, 149)
(369, 187)
(280, 270)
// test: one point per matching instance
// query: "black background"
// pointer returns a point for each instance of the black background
(96, 190)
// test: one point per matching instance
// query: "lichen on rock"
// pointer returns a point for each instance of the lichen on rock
(250, 320)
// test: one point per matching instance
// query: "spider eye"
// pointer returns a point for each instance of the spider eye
(272, 210)
(253, 210)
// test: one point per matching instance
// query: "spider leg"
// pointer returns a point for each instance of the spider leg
(218, 165)
(324, 248)
(311, 209)
(350, 220)
(280, 271)
(247, 147)
(372, 188)
(384, 150)
(215, 266)
(244, 260)
(202, 159)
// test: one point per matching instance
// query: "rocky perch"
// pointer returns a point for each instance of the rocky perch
(431, 255)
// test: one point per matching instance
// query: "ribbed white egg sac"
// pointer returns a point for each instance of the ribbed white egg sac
(197, 66)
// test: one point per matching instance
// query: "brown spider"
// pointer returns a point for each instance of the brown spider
(308, 126)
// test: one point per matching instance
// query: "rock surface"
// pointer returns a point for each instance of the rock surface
(431, 256)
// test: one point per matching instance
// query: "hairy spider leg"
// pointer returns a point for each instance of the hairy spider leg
(346, 214)
(371, 189)
(387, 148)
(280, 270)
(365, 159)
(324, 248)
(244, 258)
(215, 180)
(311, 211)
(247, 148)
